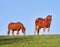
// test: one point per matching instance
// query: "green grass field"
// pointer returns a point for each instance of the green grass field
(30, 41)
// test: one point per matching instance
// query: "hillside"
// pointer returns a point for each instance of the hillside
(30, 41)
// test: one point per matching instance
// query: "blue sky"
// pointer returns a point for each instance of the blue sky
(26, 11)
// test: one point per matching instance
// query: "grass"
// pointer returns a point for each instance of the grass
(30, 41)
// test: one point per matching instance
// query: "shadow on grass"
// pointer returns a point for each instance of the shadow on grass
(12, 40)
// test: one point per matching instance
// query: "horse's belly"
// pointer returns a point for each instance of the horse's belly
(42, 25)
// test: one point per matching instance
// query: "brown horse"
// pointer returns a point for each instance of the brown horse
(43, 23)
(16, 27)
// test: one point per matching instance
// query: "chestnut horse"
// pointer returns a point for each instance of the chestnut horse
(16, 27)
(43, 23)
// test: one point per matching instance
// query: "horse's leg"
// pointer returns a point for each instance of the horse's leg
(8, 32)
(12, 33)
(43, 31)
(38, 32)
(17, 32)
(49, 31)
(36, 29)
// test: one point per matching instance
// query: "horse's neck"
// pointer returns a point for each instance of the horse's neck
(48, 20)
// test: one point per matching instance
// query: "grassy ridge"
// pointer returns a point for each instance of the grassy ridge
(30, 41)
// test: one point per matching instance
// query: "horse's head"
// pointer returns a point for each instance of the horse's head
(49, 17)
(24, 30)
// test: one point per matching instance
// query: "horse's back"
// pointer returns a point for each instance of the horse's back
(14, 25)
(39, 21)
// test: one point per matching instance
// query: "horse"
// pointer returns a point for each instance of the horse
(43, 23)
(16, 26)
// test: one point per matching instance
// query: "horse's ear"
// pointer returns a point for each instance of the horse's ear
(48, 16)
(51, 15)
